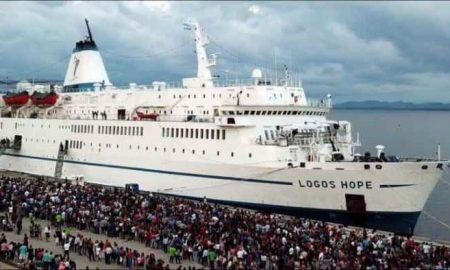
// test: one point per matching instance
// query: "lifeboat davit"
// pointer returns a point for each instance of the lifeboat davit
(44, 99)
(16, 99)
(149, 116)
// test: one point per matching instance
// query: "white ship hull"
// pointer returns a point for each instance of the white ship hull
(397, 190)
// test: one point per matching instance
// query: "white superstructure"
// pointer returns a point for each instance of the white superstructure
(256, 143)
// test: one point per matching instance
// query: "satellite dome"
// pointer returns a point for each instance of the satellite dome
(256, 73)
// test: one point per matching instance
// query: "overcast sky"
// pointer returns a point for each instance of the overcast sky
(355, 50)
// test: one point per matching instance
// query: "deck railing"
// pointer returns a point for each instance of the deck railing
(248, 82)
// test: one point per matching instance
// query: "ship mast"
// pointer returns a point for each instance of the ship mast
(89, 30)
(204, 63)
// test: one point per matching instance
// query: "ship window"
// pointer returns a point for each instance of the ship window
(294, 112)
(121, 130)
(156, 149)
(250, 155)
(182, 151)
(218, 153)
(176, 134)
(201, 133)
(193, 151)
(232, 154)
(212, 134)
(129, 131)
(196, 133)
(231, 112)
(246, 112)
(109, 130)
(266, 132)
(192, 133)
(207, 134)
(258, 112)
(172, 132)
(204, 96)
(289, 112)
(114, 130)
(224, 112)
(163, 131)
(285, 112)
(203, 152)
(218, 134)
(263, 112)
(181, 132)
(223, 134)
(195, 96)
(124, 130)
(173, 150)
(142, 131)
(269, 113)
(272, 135)
(134, 131)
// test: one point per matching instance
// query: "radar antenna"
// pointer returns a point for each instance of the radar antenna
(89, 30)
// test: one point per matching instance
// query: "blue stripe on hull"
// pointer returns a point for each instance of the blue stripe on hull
(397, 222)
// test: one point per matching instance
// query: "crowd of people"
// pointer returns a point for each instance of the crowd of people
(23, 255)
(215, 236)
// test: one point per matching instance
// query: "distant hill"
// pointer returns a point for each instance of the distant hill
(396, 105)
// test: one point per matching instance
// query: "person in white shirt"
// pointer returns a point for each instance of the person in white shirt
(47, 233)
(66, 251)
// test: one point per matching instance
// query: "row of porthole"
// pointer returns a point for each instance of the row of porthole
(195, 96)
(367, 166)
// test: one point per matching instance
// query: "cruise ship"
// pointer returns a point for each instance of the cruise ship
(257, 143)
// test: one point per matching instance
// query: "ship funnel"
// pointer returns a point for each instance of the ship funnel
(86, 66)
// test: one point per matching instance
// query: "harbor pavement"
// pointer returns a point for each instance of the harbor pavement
(4, 266)
(83, 262)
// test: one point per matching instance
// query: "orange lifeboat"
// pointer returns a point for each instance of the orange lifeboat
(44, 99)
(16, 99)
(147, 116)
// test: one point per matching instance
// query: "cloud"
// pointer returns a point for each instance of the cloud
(353, 50)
